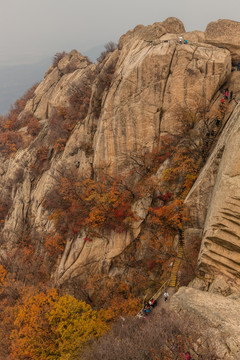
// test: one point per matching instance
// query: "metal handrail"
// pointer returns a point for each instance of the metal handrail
(160, 290)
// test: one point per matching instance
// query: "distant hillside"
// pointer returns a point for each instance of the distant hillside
(16, 79)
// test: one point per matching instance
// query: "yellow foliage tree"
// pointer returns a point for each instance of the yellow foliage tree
(49, 326)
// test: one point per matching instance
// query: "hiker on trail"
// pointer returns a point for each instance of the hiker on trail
(147, 311)
(188, 356)
(185, 42)
(165, 295)
(222, 100)
(152, 303)
(180, 39)
(226, 94)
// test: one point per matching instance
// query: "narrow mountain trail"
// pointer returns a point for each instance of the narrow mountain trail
(171, 284)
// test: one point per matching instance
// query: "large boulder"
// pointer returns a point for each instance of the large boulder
(152, 32)
(219, 314)
(226, 34)
(154, 75)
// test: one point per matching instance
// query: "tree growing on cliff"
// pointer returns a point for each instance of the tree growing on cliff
(77, 203)
(33, 126)
(57, 57)
(105, 72)
(10, 139)
(109, 47)
(198, 126)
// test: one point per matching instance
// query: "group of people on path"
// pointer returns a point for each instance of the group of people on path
(181, 41)
(148, 306)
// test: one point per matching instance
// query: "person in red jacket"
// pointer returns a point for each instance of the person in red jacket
(187, 356)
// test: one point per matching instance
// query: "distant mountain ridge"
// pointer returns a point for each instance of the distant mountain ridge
(16, 79)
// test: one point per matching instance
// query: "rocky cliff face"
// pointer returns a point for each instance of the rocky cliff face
(219, 219)
(152, 75)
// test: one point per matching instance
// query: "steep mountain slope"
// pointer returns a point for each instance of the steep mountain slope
(100, 128)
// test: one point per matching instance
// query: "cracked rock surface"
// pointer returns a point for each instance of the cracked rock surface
(220, 315)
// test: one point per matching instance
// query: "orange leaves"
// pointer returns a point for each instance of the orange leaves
(122, 302)
(119, 306)
(111, 207)
(54, 244)
(114, 295)
(10, 142)
(3, 275)
(86, 203)
(167, 216)
(147, 162)
(19, 105)
(10, 138)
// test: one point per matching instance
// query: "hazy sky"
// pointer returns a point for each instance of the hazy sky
(34, 29)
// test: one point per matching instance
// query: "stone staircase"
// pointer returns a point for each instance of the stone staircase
(174, 272)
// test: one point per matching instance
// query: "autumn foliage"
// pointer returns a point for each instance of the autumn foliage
(114, 295)
(49, 326)
(33, 126)
(83, 203)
